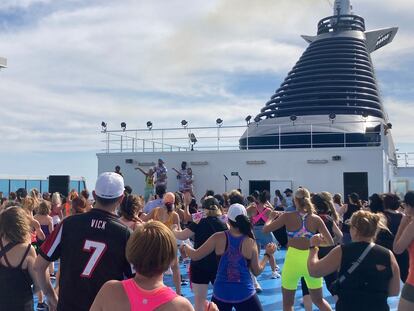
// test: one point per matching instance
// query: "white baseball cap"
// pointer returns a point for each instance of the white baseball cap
(236, 210)
(109, 185)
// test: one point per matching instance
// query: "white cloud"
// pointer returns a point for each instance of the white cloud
(402, 114)
(7, 4)
(108, 60)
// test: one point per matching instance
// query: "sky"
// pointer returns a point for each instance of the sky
(75, 63)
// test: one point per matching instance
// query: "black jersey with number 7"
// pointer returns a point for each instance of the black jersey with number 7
(91, 249)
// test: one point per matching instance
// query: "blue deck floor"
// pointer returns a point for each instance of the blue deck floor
(271, 297)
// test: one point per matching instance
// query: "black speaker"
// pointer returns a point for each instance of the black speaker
(59, 183)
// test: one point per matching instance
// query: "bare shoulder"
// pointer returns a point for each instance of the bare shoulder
(35, 223)
(177, 304)
(315, 218)
(112, 296)
(113, 288)
(219, 235)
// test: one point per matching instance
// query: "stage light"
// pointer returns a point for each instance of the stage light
(365, 114)
(184, 123)
(248, 118)
(293, 118)
(332, 116)
(104, 126)
(149, 125)
(257, 119)
(123, 126)
(219, 122)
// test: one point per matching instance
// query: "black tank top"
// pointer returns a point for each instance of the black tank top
(367, 287)
(15, 283)
(352, 208)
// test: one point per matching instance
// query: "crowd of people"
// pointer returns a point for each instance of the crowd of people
(111, 251)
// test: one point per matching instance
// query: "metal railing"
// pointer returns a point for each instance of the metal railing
(405, 159)
(284, 136)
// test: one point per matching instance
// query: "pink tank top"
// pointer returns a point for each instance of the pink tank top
(147, 300)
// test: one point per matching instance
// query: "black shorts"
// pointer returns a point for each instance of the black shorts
(199, 275)
(251, 304)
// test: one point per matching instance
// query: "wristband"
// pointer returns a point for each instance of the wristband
(266, 255)
(314, 247)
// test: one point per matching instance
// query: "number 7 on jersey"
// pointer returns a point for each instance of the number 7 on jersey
(97, 249)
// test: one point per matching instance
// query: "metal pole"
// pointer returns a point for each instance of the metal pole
(162, 140)
(107, 142)
(247, 138)
(311, 133)
(344, 139)
(280, 140)
(218, 138)
(121, 142)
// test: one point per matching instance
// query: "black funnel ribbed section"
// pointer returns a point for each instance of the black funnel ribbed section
(333, 80)
(334, 75)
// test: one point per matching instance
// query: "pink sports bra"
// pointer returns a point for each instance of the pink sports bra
(147, 300)
(260, 217)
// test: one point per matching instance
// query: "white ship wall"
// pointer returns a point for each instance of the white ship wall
(289, 167)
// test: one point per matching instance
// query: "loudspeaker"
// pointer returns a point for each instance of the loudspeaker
(59, 183)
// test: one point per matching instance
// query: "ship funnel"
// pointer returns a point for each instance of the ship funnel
(333, 77)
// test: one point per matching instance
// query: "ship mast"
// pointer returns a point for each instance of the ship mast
(343, 7)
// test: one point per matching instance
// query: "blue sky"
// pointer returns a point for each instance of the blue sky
(74, 63)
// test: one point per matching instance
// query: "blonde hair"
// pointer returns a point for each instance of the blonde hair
(44, 208)
(29, 204)
(151, 248)
(368, 224)
(328, 198)
(302, 196)
(14, 225)
(56, 199)
(34, 193)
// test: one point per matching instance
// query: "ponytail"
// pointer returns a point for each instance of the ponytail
(244, 225)
(303, 199)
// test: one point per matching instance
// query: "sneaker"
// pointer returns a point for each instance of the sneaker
(41, 306)
(277, 268)
(184, 282)
(275, 275)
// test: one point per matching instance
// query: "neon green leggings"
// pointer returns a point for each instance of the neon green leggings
(296, 267)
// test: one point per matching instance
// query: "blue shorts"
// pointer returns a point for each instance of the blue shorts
(262, 239)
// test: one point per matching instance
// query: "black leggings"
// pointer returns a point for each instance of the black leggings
(251, 304)
(329, 279)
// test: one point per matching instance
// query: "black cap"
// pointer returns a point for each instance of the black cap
(210, 203)
(354, 196)
(288, 190)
